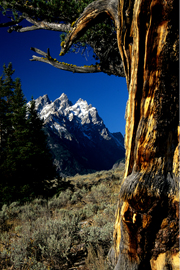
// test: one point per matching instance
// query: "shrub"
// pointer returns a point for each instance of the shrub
(61, 213)
(99, 236)
(47, 234)
(100, 220)
(4, 215)
(89, 210)
(40, 201)
(18, 229)
(77, 196)
(27, 213)
(31, 212)
(109, 212)
(96, 260)
(63, 198)
(42, 240)
(14, 209)
(102, 205)
(80, 183)
(99, 193)
(98, 175)
(5, 239)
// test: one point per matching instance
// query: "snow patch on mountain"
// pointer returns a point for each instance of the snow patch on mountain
(81, 112)
(80, 132)
(61, 112)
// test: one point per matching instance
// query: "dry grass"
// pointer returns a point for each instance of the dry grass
(72, 229)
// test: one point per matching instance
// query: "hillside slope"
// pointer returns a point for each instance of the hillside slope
(72, 230)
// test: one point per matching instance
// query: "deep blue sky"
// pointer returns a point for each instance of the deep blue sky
(107, 93)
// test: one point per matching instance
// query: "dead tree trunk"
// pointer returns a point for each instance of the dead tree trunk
(146, 228)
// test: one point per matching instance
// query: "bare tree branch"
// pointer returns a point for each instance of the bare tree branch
(110, 62)
(61, 65)
(48, 26)
(14, 25)
(27, 29)
(11, 23)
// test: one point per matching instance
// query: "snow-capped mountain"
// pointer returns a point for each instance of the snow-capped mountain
(77, 136)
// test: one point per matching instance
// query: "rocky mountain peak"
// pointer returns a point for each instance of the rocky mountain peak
(62, 103)
(41, 102)
(84, 112)
(63, 97)
(77, 136)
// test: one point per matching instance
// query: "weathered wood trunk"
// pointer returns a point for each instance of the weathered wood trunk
(146, 229)
(147, 216)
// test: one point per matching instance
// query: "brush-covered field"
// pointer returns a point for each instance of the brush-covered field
(71, 230)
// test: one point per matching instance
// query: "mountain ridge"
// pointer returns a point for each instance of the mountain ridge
(77, 136)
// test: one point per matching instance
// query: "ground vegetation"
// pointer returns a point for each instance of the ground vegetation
(70, 230)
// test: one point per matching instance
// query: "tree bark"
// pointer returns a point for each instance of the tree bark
(146, 229)
(147, 216)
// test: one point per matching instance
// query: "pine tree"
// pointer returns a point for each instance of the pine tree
(18, 137)
(6, 92)
(2, 117)
(40, 160)
(25, 161)
(6, 129)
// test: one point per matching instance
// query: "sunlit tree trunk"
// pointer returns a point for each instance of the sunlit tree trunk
(146, 228)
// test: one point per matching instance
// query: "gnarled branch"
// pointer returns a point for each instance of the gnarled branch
(110, 60)
(61, 65)
(92, 14)
(89, 17)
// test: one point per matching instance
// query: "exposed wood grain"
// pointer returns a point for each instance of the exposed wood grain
(147, 35)
(151, 176)
(146, 234)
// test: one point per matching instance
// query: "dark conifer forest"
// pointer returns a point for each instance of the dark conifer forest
(25, 160)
